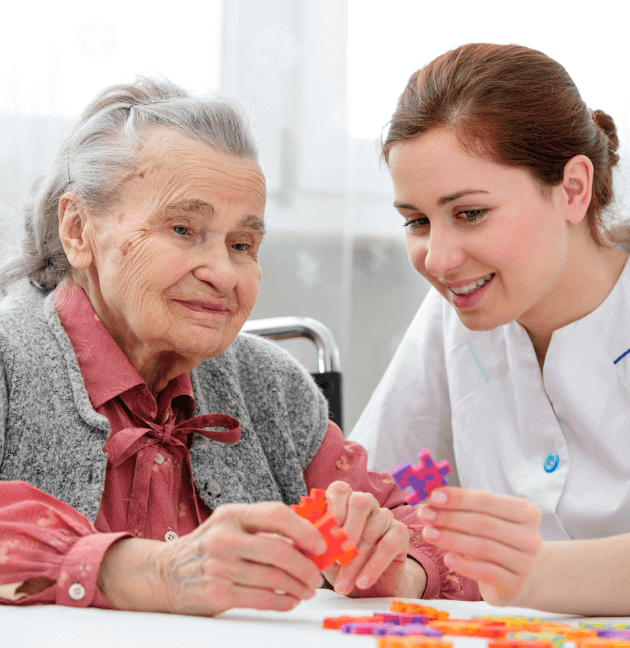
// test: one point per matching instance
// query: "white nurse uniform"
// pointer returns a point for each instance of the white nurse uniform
(560, 438)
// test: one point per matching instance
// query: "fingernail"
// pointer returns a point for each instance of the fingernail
(342, 586)
(363, 582)
(439, 497)
(321, 546)
(450, 559)
(427, 513)
(430, 532)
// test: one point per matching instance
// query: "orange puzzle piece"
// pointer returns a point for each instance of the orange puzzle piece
(413, 608)
(339, 548)
(470, 628)
(312, 508)
(414, 641)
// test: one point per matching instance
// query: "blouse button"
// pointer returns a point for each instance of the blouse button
(213, 488)
(76, 591)
(159, 459)
(170, 536)
(551, 462)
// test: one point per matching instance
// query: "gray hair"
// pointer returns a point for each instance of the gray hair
(100, 154)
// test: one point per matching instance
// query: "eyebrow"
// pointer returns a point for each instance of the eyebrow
(445, 199)
(249, 221)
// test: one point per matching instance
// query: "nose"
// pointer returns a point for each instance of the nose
(216, 269)
(444, 253)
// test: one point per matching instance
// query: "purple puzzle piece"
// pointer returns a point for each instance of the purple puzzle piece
(422, 478)
(367, 628)
(410, 629)
(610, 633)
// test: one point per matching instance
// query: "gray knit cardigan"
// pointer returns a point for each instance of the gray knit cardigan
(51, 436)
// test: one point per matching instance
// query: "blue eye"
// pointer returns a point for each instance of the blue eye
(419, 222)
(472, 215)
(240, 247)
(181, 230)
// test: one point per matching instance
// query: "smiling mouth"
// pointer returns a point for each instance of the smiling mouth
(471, 287)
(204, 307)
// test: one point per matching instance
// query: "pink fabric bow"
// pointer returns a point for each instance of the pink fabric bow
(130, 441)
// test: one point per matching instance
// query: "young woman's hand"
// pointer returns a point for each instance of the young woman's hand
(492, 539)
(382, 567)
(243, 556)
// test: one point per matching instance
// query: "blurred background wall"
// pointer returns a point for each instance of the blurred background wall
(319, 79)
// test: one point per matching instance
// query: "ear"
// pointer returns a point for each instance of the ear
(72, 231)
(577, 187)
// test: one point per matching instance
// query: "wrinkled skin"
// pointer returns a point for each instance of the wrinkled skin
(188, 230)
(172, 271)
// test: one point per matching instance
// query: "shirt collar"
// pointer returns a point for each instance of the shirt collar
(106, 371)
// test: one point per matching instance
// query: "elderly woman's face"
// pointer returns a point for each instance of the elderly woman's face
(177, 262)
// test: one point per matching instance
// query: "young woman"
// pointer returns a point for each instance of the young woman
(515, 367)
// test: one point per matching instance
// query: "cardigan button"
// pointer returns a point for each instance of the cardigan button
(159, 459)
(170, 536)
(213, 488)
(551, 462)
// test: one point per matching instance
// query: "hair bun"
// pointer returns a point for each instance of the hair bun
(605, 123)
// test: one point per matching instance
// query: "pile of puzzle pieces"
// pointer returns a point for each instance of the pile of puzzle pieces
(338, 546)
(421, 478)
(409, 625)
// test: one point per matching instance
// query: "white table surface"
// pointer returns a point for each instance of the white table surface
(54, 626)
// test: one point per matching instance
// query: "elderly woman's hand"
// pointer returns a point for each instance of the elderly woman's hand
(490, 538)
(243, 556)
(382, 567)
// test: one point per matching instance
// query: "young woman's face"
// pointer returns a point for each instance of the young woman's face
(482, 233)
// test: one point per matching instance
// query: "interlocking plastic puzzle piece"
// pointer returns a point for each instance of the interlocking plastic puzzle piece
(600, 642)
(570, 633)
(335, 623)
(402, 618)
(339, 548)
(422, 478)
(414, 641)
(518, 643)
(611, 633)
(556, 639)
(470, 628)
(413, 608)
(413, 629)
(511, 620)
(312, 508)
(604, 626)
(359, 628)
(523, 624)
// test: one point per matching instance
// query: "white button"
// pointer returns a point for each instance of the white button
(170, 536)
(76, 591)
(213, 488)
(159, 459)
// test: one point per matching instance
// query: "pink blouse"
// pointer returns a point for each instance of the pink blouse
(41, 536)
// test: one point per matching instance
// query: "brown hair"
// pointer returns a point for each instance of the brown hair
(514, 106)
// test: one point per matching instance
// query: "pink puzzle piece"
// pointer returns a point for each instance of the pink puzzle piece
(422, 478)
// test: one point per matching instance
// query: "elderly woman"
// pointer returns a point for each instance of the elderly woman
(127, 398)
